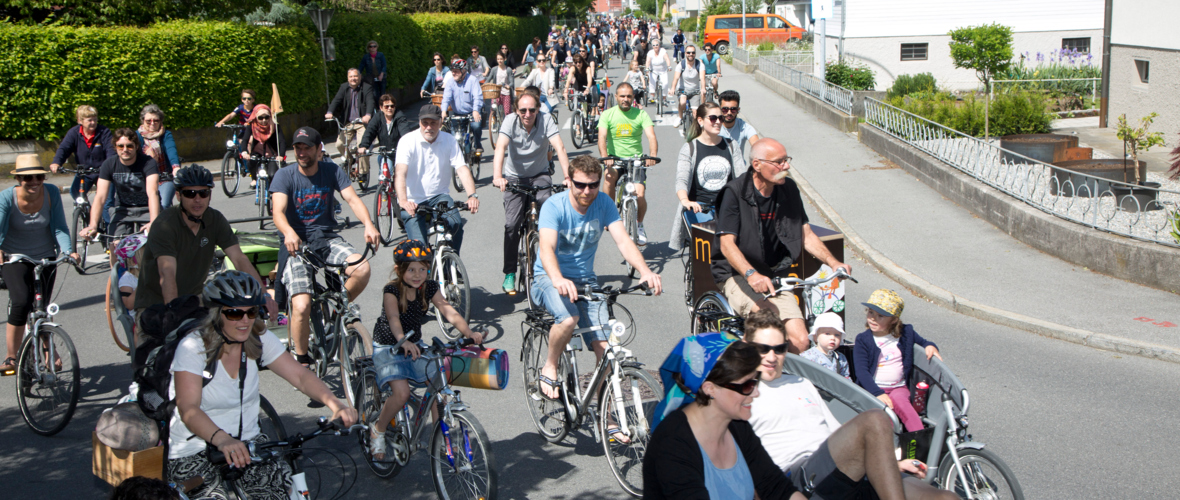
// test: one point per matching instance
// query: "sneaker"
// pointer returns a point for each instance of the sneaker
(676, 122)
(642, 235)
(510, 283)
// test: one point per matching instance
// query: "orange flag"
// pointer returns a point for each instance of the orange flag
(276, 104)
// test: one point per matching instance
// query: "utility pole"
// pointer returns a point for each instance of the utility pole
(321, 18)
(743, 23)
(843, 18)
(1103, 109)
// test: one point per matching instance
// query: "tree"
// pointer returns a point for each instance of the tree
(98, 12)
(647, 6)
(987, 49)
(1138, 140)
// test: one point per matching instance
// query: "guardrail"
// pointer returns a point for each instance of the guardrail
(1135, 211)
(830, 93)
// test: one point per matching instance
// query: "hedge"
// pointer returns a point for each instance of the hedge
(193, 70)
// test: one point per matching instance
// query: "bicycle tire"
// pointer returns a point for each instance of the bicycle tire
(455, 284)
(685, 118)
(984, 484)
(528, 256)
(352, 347)
(549, 416)
(383, 213)
(229, 174)
(269, 422)
(569, 98)
(473, 474)
(371, 399)
(110, 310)
(362, 179)
(577, 131)
(659, 97)
(630, 214)
(263, 200)
(640, 395)
(59, 394)
(317, 340)
(80, 246)
(688, 278)
(708, 303)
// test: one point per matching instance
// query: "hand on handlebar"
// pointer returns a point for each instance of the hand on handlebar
(847, 268)
(327, 116)
(500, 182)
(473, 205)
(292, 242)
(476, 336)
(652, 280)
(885, 399)
(760, 283)
(347, 414)
(361, 151)
(372, 236)
(412, 350)
(914, 467)
(694, 206)
(237, 455)
(651, 162)
(53, 167)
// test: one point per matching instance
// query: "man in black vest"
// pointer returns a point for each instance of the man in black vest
(763, 230)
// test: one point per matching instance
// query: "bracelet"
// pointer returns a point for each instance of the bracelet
(214, 435)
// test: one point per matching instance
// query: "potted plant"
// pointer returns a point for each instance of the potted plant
(1135, 141)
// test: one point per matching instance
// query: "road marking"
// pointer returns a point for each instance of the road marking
(566, 125)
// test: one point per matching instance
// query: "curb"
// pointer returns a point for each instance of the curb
(946, 299)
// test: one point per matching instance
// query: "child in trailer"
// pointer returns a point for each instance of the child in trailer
(884, 355)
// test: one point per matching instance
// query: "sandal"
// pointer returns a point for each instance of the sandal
(9, 364)
(305, 360)
(551, 383)
(376, 445)
(614, 433)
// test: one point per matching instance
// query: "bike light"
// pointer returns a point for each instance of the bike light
(53, 309)
(229, 144)
(447, 237)
(439, 229)
(262, 173)
(381, 178)
(630, 188)
(80, 201)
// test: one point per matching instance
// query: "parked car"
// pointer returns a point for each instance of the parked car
(759, 28)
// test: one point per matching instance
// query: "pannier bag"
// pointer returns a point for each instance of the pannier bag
(477, 367)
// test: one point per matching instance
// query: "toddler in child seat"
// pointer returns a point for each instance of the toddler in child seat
(884, 355)
(827, 332)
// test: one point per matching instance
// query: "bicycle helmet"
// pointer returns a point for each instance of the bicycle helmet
(234, 288)
(459, 64)
(193, 175)
(412, 251)
(127, 248)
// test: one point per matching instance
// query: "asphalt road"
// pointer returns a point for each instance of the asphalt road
(1071, 421)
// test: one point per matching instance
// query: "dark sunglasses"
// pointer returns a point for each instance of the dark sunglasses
(526, 111)
(763, 348)
(388, 106)
(691, 53)
(264, 118)
(437, 60)
(125, 146)
(247, 98)
(725, 109)
(237, 314)
(372, 46)
(193, 193)
(745, 388)
(713, 118)
(586, 185)
(31, 177)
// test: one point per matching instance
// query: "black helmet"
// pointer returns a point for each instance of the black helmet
(412, 251)
(234, 288)
(193, 175)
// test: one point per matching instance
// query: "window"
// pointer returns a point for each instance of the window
(1076, 44)
(755, 22)
(914, 51)
(728, 23)
(776, 23)
(1144, 68)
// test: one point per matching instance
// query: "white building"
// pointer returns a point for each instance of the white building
(896, 37)
(1145, 65)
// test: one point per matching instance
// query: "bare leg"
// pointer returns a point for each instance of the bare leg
(358, 277)
(393, 404)
(608, 184)
(864, 447)
(640, 189)
(559, 337)
(299, 322)
(13, 338)
(915, 489)
(797, 337)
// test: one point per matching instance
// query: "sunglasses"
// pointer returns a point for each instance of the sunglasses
(582, 186)
(264, 118)
(247, 99)
(437, 60)
(725, 109)
(691, 53)
(763, 348)
(372, 46)
(713, 118)
(193, 193)
(237, 314)
(745, 388)
(526, 111)
(388, 106)
(124, 146)
(31, 178)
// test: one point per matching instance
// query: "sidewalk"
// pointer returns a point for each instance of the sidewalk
(963, 261)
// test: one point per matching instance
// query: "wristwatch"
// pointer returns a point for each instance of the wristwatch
(476, 196)
(749, 272)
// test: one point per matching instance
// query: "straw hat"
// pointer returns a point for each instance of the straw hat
(28, 165)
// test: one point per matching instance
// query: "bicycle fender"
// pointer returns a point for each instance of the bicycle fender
(975, 445)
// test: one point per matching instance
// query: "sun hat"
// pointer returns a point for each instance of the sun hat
(826, 320)
(693, 358)
(886, 301)
(28, 165)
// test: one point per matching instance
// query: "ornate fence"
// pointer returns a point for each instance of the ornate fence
(830, 93)
(1138, 212)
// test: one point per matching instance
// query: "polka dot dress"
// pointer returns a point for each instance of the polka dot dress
(411, 318)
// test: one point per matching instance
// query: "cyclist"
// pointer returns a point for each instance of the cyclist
(406, 297)
(157, 143)
(712, 68)
(707, 162)
(522, 157)
(33, 223)
(545, 79)
(476, 64)
(735, 128)
(372, 66)
(558, 53)
(387, 130)
(426, 160)
(223, 411)
(581, 80)
(243, 111)
(619, 134)
(262, 138)
(678, 45)
(464, 97)
(182, 244)
(763, 229)
(134, 178)
(435, 76)
(658, 64)
(303, 199)
(91, 144)
(570, 228)
(354, 99)
(691, 76)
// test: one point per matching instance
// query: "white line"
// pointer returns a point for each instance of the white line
(566, 125)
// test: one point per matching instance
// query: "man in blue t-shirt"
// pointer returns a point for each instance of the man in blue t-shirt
(570, 228)
(304, 197)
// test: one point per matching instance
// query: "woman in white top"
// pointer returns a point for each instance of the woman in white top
(544, 78)
(224, 410)
(658, 64)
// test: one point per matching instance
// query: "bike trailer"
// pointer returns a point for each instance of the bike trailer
(477, 367)
(844, 398)
(261, 248)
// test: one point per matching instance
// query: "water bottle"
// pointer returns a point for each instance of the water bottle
(921, 392)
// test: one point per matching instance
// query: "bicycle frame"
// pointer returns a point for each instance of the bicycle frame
(40, 314)
(437, 390)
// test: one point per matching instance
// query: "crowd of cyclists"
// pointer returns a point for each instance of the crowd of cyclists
(708, 443)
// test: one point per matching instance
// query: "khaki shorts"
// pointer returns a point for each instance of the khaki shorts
(787, 304)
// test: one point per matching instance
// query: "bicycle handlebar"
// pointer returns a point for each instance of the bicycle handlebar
(635, 159)
(216, 457)
(782, 284)
(597, 294)
(20, 257)
(80, 170)
(379, 150)
(316, 261)
(527, 190)
(232, 126)
(440, 209)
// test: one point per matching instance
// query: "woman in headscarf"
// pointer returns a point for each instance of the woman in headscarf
(262, 138)
(157, 144)
(701, 445)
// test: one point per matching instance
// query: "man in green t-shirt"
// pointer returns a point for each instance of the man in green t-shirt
(619, 132)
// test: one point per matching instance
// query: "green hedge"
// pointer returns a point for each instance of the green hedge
(193, 70)
(1011, 113)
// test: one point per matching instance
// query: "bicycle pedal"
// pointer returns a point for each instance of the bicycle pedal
(8, 373)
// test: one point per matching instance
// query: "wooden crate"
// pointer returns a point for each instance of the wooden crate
(113, 466)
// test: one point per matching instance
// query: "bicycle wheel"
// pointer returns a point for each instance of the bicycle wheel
(577, 130)
(568, 96)
(456, 289)
(318, 340)
(113, 294)
(528, 255)
(229, 174)
(81, 220)
(352, 346)
(635, 403)
(659, 97)
(383, 213)
(630, 215)
(269, 422)
(623, 315)
(263, 199)
(494, 121)
(548, 415)
(48, 393)
(685, 118)
(987, 475)
(461, 459)
(397, 446)
(362, 178)
(705, 314)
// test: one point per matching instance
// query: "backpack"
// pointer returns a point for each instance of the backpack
(696, 64)
(163, 327)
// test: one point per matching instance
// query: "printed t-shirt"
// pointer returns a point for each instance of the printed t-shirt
(411, 318)
(194, 253)
(310, 199)
(889, 368)
(624, 131)
(713, 170)
(129, 181)
(577, 234)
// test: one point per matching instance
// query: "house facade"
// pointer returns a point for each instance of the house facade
(1145, 65)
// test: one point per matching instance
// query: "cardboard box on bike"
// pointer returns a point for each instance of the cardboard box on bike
(113, 466)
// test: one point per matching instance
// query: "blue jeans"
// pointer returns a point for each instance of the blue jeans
(562, 308)
(416, 226)
(546, 107)
(677, 50)
(167, 190)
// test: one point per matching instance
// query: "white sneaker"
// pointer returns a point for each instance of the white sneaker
(642, 235)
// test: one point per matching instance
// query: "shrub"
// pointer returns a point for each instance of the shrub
(126, 12)
(1020, 113)
(766, 46)
(849, 76)
(908, 84)
(688, 25)
(193, 70)
(1014, 113)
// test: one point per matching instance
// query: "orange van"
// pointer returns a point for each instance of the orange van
(759, 28)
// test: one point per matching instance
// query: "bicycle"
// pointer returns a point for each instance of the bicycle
(348, 154)
(634, 173)
(446, 267)
(233, 168)
(385, 207)
(262, 192)
(689, 294)
(712, 312)
(116, 312)
(462, 124)
(583, 126)
(686, 114)
(657, 94)
(80, 220)
(336, 328)
(47, 390)
(626, 395)
(530, 240)
(710, 92)
(491, 92)
(461, 460)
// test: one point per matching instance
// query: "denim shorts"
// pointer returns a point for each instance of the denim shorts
(392, 366)
(560, 306)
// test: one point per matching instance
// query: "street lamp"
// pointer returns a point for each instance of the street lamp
(321, 18)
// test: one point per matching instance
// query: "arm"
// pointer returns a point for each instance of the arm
(740, 265)
(153, 191)
(684, 166)
(372, 236)
(57, 221)
(675, 80)
(429, 79)
(227, 118)
(863, 361)
(817, 249)
(128, 295)
(448, 95)
(166, 264)
(653, 146)
(399, 185)
(562, 157)
(548, 254)
(454, 318)
(170, 152)
(498, 179)
(64, 149)
(100, 195)
(308, 383)
(242, 263)
(633, 256)
(292, 241)
(603, 137)
(931, 347)
(371, 132)
(336, 101)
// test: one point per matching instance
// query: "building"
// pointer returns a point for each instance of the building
(896, 37)
(1145, 65)
(605, 6)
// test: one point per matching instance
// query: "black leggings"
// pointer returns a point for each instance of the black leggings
(19, 278)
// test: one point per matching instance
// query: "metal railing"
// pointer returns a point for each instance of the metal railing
(830, 93)
(1136, 211)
